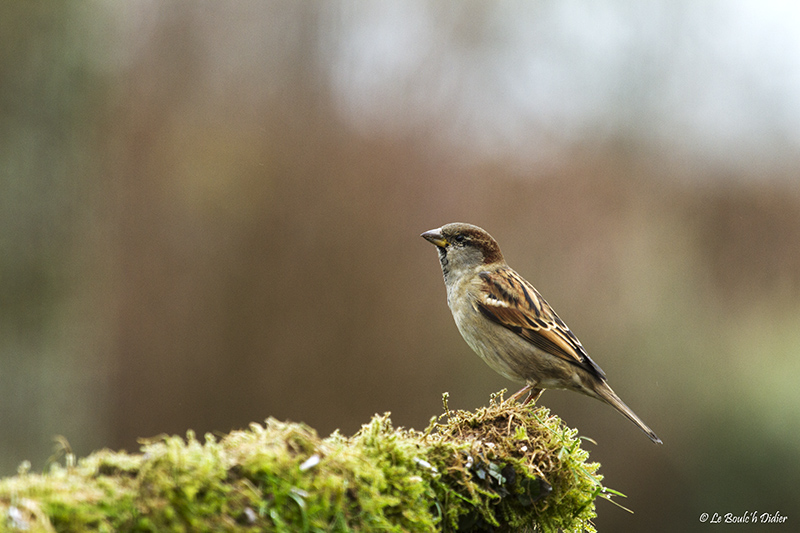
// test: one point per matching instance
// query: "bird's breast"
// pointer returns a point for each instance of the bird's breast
(496, 346)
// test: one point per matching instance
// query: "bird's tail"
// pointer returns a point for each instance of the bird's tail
(606, 394)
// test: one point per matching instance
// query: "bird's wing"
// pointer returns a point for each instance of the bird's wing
(507, 299)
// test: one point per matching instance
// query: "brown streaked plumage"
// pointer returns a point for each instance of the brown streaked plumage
(510, 326)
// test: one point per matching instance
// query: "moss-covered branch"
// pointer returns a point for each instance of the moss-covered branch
(503, 466)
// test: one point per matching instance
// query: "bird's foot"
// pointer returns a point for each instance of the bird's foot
(533, 396)
(517, 395)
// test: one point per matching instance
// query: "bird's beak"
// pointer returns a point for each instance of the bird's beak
(435, 236)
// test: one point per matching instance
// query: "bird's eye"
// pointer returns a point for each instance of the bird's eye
(460, 239)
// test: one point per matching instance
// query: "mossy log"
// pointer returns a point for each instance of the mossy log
(503, 467)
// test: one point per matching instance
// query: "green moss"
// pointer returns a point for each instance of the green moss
(503, 466)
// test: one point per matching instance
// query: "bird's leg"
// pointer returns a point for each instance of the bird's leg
(533, 396)
(517, 395)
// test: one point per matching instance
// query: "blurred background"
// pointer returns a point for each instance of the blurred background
(210, 214)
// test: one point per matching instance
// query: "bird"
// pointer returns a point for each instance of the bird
(505, 320)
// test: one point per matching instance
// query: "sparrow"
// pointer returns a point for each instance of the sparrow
(510, 326)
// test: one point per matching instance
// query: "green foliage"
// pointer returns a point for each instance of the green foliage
(505, 466)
